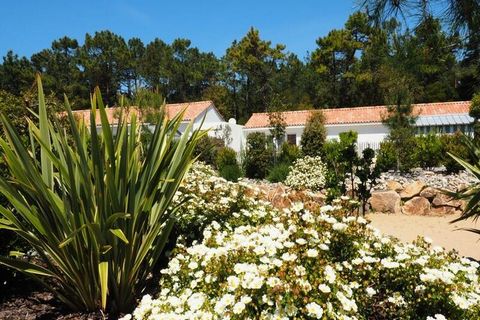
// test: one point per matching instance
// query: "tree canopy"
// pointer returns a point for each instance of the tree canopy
(356, 65)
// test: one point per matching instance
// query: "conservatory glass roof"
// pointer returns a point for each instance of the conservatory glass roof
(444, 119)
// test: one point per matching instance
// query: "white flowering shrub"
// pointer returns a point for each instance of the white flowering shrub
(307, 173)
(212, 198)
(304, 265)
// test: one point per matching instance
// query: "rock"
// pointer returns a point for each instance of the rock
(443, 211)
(442, 200)
(416, 205)
(394, 185)
(429, 193)
(411, 190)
(385, 201)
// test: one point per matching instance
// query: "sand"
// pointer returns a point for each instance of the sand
(439, 229)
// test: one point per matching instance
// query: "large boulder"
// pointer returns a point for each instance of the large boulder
(416, 205)
(429, 193)
(442, 200)
(394, 185)
(412, 189)
(385, 201)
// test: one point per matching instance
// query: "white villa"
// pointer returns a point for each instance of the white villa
(447, 117)
(194, 111)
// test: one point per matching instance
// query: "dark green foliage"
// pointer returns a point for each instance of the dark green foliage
(289, 153)
(341, 158)
(475, 114)
(386, 156)
(367, 173)
(258, 157)
(429, 150)
(227, 164)
(400, 120)
(357, 64)
(471, 194)
(231, 172)
(277, 124)
(279, 172)
(225, 157)
(454, 144)
(207, 149)
(314, 135)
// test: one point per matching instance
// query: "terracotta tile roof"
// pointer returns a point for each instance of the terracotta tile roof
(193, 110)
(371, 114)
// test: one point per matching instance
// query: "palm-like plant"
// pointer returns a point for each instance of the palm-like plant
(95, 207)
(462, 15)
(472, 193)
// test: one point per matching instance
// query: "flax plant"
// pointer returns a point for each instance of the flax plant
(96, 207)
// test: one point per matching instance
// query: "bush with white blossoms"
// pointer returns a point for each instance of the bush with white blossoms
(307, 173)
(212, 198)
(310, 265)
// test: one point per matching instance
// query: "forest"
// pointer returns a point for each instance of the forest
(353, 66)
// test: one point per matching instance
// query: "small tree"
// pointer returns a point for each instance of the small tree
(400, 120)
(314, 135)
(277, 127)
(258, 157)
(348, 143)
(367, 173)
(475, 114)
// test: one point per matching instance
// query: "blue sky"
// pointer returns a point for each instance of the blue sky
(28, 26)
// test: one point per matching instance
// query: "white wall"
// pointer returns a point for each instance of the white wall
(368, 134)
(212, 117)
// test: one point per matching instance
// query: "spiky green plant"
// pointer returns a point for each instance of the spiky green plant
(96, 208)
(471, 194)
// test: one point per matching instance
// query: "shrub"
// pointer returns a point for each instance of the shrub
(269, 264)
(231, 172)
(289, 153)
(428, 150)
(225, 157)
(455, 145)
(258, 156)
(207, 149)
(97, 210)
(307, 173)
(227, 164)
(386, 156)
(279, 172)
(212, 198)
(340, 157)
(314, 134)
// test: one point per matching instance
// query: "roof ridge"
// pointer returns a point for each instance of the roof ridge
(363, 107)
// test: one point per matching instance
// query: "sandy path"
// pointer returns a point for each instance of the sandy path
(439, 229)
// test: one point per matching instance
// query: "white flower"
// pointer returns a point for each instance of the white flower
(347, 304)
(437, 317)
(370, 291)
(238, 307)
(312, 253)
(196, 301)
(330, 274)
(339, 226)
(233, 282)
(389, 264)
(324, 288)
(314, 310)
(301, 241)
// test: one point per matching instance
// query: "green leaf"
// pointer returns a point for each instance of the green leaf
(103, 274)
(119, 234)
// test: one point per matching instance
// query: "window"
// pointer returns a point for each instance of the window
(292, 139)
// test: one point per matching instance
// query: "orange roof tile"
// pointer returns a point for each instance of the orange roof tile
(371, 114)
(192, 111)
